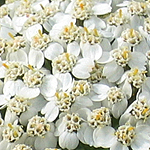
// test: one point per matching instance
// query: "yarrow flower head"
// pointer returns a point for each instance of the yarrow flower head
(117, 18)
(90, 35)
(137, 8)
(33, 78)
(136, 77)
(64, 63)
(37, 126)
(40, 41)
(70, 33)
(18, 105)
(99, 118)
(12, 132)
(131, 36)
(81, 88)
(125, 134)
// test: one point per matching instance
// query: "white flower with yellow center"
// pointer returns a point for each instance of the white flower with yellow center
(138, 8)
(16, 49)
(138, 112)
(12, 133)
(39, 131)
(90, 43)
(124, 137)
(39, 43)
(62, 62)
(112, 97)
(84, 9)
(96, 121)
(13, 70)
(65, 31)
(119, 59)
(131, 36)
(67, 128)
(133, 78)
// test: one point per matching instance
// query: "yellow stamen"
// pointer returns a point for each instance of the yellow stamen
(67, 56)
(11, 35)
(57, 95)
(145, 111)
(131, 128)
(125, 54)
(40, 33)
(85, 29)
(135, 71)
(66, 95)
(120, 13)
(131, 32)
(30, 67)
(81, 88)
(5, 65)
(10, 125)
(71, 24)
(66, 29)
(15, 134)
(98, 116)
(82, 6)
(42, 6)
(96, 32)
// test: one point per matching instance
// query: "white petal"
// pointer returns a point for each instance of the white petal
(48, 141)
(83, 101)
(101, 9)
(10, 117)
(119, 146)
(51, 111)
(25, 116)
(19, 55)
(93, 52)
(27, 92)
(68, 140)
(18, 22)
(138, 59)
(12, 87)
(98, 23)
(53, 50)
(32, 31)
(104, 137)
(82, 68)
(88, 136)
(113, 72)
(36, 58)
(140, 143)
(118, 108)
(73, 48)
(127, 89)
(49, 85)
(3, 100)
(65, 80)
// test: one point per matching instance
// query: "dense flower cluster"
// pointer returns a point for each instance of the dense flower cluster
(75, 72)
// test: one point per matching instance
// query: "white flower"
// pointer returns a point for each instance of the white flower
(39, 131)
(12, 134)
(119, 59)
(112, 97)
(127, 135)
(67, 128)
(138, 112)
(62, 62)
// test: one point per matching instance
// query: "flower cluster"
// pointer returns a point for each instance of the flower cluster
(73, 73)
